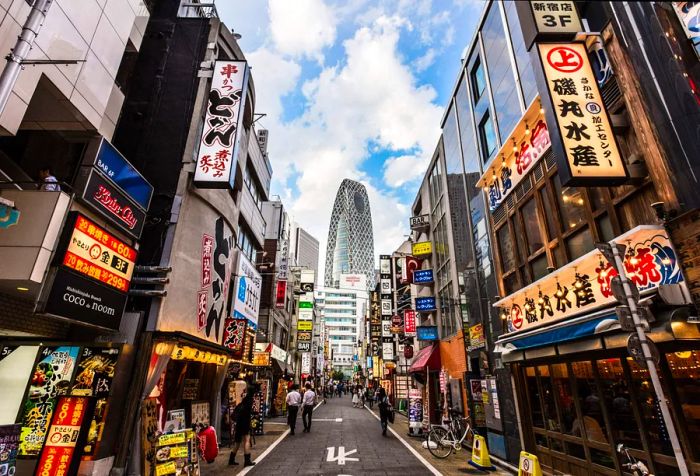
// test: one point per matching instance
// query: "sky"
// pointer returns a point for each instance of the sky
(351, 89)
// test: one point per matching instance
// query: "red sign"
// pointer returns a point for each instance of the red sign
(409, 322)
(411, 264)
(565, 59)
(68, 427)
(207, 250)
(234, 335)
(281, 294)
(92, 251)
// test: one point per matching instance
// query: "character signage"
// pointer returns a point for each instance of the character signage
(582, 136)
(261, 359)
(303, 346)
(423, 276)
(425, 304)
(385, 284)
(81, 299)
(234, 335)
(424, 248)
(584, 285)
(221, 134)
(411, 264)
(427, 333)
(108, 200)
(386, 307)
(94, 252)
(388, 351)
(548, 20)
(247, 297)
(305, 325)
(409, 322)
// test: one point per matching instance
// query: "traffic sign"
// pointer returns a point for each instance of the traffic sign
(634, 348)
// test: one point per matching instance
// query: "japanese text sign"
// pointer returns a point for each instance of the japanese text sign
(584, 285)
(221, 134)
(234, 335)
(582, 140)
(425, 304)
(99, 255)
(427, 332)
(553, 20)
(423, 248)
(281, 294)
(423, 276)
(247, 290)
(409, 321)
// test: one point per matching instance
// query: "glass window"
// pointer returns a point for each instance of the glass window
(532, 226)
(579, 244)
(597, 198)
(570, 204)
(550, 409)
(478, 80)
(565, 400)
(592, 423)
(685, 370)
(534, 398)
(539, 267)
(605, 229)
(522, 58)
(506, 247)
(548, 213)
(511, 283)
(487, 135)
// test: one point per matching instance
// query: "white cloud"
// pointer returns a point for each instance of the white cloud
(282, 81)
(424, 62)
(404, 169)
(301, 27)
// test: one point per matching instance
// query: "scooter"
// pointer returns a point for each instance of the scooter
(638, 468)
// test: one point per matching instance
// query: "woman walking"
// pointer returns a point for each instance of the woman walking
(384, 408)
(243, 414)
(355, 398)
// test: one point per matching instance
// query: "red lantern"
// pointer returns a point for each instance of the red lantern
(408, 351)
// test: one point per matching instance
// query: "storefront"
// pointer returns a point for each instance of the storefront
(425, 372)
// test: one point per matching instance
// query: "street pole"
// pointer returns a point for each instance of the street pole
(22, 47)
(651, 364)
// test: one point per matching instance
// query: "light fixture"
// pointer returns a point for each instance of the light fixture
(541, 108)
(515, 146)
(23, 289)
(527, 130)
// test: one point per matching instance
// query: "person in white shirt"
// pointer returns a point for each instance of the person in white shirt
(49, 182)
(308, 407)
(293, 404)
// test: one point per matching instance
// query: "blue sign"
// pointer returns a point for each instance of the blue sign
(427, 332)
(425, 304)
(423, 276)
(117, 169)
(8, 216)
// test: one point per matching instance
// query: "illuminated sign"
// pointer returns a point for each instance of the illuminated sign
(247, 291)
(303, 346)
(385, 285)
(427, 332)
(396, 324)
(477, 339)
(409, 322)
(386, 307)
(221, 134)
(423, 248)
(584, 285)
(425, 304)
(423, 276)
(234, 335)
(94, 252)
(305, 325)
(582, 136)
(548, 20)
(304, 336)
(261, 359)
(388, 351)
(281, 294)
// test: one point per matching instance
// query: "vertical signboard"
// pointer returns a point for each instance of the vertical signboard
(409, 322)
(281, 295)
(551, 20)
(221, 134)
(247, 291)
(581, 133)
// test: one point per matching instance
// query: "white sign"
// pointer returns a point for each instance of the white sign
(385, 264)
(353, 281)
(247, 298)
(221, 136)
(386, 286)
(388, 351)
(386, 307)
(386, 328)
(419, 222)
(306, 363)
(278, 353)
(556, 17)
(342, 456)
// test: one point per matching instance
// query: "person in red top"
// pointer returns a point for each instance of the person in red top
(208, 444)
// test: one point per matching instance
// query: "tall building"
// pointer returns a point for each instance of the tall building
(305, 249)
(350, 239)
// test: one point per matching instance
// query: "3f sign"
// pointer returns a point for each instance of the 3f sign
(548, 20)
(551, 20)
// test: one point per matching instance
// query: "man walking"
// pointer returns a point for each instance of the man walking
(293, 404)
(308, 407)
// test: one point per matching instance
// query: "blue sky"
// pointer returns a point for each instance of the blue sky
(352, 89)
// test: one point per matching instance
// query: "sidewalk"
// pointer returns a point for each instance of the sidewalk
(455, 464)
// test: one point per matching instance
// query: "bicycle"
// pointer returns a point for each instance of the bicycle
(638, 468)
(442, 441)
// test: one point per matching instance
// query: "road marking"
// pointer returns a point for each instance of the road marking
(425, 462)
(342, 455)
(337, 420)
(269, 449)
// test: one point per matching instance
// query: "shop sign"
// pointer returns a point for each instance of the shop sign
(424, 248)
(305, 325)
(476, 337)
(585, 285)
(689, 16)
(64, 439)
(423, 276)
(278, 353)
(385, 285)
(411, 264)
(247, 290)
(305, 315)
(427, 332)
(221, 136)
(261, 359)
(409, 321)
(388, 351)
(396, 324)
(303, 346)
(200, 412)
(386, 307)
(548, 20)
(415, 407)
(425, 304)
(582, 137)
(386, 328)
(234, 335)
(307, 279)
(206, 261)
(118, 170)
(190, 389)
(281, 294)
(306, 304)
(9, 445)
(420, 222)
(92, 251)
(384, 264)
(304, 336)
(306, 363)
(95, 372)
(80, 299)
(109, 201)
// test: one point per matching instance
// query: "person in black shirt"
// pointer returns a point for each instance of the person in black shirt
(243, 414)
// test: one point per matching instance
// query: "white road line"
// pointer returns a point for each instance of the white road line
(269, 449)
(425, 462)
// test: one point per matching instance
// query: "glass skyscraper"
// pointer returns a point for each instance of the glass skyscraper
(350, 239)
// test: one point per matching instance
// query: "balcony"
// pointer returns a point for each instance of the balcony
(252, 215)
(194, 9)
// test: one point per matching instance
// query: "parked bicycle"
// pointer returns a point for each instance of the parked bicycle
(638, 468)
(450, 436)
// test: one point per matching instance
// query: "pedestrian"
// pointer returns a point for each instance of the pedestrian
(208, 444)
(308, 402)
(243, 414)
(355, 398)
(48, 181)
(370, 397)
(384, 409)
(293, 404)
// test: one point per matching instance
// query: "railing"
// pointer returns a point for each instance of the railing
(197, 10)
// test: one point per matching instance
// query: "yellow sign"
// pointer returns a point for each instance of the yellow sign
(480, 454)
(171, 439)
(261, 359)
(166, 468)
(305, 325)
(556, 17)
(179, 452)
(423, 248)
(529, 465)
(585, 136)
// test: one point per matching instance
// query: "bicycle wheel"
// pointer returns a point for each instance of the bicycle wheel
(439, 443)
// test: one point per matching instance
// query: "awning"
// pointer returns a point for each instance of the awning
(426, 357)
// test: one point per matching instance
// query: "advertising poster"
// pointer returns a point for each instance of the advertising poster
(415, 408)
(149, 433)
(51, 378)
(200, 413)
(478, 402)
(176, 453)
(190, 390)
(247, 291)
(256, 422)
(9, 446)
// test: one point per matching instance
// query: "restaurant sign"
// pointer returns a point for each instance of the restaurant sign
(221, 134)
(584, 285)
(423, 248)
(409, 322)
(425, 304)
(548, 20)
(581, 132)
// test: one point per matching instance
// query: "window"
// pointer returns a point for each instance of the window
(532, 226)
(506, 248)
(571, 204)
(478, 80)
(487, 136)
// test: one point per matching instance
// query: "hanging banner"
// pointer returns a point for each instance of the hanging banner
(221, 134)
(477, 340)
(411, 265)
(306, 363)
(409, 322)
(582, 136)
(584, 285)
(234, 336)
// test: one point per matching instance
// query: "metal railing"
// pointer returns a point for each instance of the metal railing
(197, 10)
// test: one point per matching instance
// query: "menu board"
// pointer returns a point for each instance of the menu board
(9, 445)
(176, 453)
(258, 410)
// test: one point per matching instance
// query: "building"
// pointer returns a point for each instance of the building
(350, 247)
(305, 249)
(63, 311)
(343, 310)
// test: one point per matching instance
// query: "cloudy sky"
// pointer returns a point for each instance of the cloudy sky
(352, 89)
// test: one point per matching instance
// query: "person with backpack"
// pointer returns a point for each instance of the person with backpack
(384, 409)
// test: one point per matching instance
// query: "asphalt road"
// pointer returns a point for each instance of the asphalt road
(351, 432)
